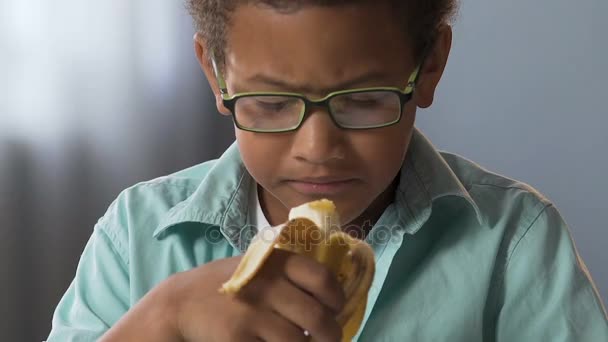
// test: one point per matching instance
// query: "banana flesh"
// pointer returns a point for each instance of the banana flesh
(313, 229)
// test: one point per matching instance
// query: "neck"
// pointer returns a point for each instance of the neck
(362, 225)
(273, 210)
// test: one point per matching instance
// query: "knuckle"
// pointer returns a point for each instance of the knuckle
(330, 330)
(340, 299)
(238, 336)
(320, 319)
(242, 320)
(280, 257)
(317, 313)
(329, 289)
(290, 334)
(325, 278)
(260, 287)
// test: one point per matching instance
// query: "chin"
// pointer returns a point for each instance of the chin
(349, 215)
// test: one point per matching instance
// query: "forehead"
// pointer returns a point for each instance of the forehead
(319, 45)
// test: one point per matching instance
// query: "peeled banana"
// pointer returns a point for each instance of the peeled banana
(313, 229)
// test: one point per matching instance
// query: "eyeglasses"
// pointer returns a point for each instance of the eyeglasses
(278, 112)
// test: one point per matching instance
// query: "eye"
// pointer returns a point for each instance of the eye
(275, 104)
(271, 105)
(365, 99)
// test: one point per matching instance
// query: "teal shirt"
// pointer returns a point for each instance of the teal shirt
(462, 254)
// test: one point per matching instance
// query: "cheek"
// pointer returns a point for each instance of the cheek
(261, 154)
(383, 151)
(382, 157)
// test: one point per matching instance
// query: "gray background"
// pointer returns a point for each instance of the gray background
(95, 96)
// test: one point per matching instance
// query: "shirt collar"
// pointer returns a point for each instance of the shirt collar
(426, 177)
(222, 198)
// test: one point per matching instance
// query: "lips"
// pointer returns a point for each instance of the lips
(321, 186)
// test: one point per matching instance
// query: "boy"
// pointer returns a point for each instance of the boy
(462, 254)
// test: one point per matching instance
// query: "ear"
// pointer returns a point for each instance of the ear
(204, 60)
(433, 67)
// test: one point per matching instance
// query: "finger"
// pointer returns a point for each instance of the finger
(276, 328)
(243, 325)
(312, 277)
(304, 311)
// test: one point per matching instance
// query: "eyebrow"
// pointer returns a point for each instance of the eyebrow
(306, 88)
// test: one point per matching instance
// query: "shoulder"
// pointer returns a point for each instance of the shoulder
(488, 186)
(138, 209)
(506, 204)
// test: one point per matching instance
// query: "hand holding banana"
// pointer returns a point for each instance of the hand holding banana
(304, 275)
(313, 230)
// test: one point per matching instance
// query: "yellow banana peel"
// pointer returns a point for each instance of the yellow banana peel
(313, 229)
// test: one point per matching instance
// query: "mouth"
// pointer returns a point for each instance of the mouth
(321, 186)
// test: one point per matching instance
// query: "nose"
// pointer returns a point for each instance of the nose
(318, 141)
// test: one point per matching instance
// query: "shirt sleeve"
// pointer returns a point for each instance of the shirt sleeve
(548, 294)
(97, 297)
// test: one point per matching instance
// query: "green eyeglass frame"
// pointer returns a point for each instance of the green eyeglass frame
(229, 101)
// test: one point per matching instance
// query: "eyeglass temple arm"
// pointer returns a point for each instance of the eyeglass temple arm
(411, 82)
(220, 79)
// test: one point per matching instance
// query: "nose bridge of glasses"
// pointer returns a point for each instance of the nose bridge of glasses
(314, 105)
(317, 103)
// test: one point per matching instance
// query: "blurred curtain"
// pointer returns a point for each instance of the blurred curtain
(94, 97)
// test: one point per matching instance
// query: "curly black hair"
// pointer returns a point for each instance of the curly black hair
(421, 18)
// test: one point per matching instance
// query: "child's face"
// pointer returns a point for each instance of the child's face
(314, 51)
